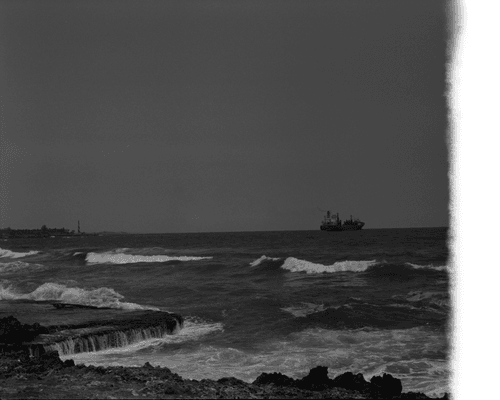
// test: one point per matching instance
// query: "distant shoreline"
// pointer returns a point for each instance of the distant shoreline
(8, 233)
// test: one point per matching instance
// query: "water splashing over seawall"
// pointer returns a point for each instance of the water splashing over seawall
(103, 339)
(72, 329)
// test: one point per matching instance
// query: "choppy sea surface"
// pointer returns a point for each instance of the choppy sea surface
(372, 301)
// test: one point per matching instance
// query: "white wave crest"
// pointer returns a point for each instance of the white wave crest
(296, 265)
(14, 254)
(7, 293)
(263, 258)
(430, 266)
(122, 258)
(102, 297)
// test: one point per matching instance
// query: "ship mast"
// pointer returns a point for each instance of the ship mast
(78, 226)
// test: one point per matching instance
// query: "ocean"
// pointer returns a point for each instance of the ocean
(372, 301)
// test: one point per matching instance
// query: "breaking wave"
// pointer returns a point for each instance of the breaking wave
(14, 254)
(102, 297)
(123, 258)
(15, 266)
(430, 266)
(297, 265)
(374, 267)
(261, 259)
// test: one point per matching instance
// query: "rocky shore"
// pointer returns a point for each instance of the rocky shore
(45, 375)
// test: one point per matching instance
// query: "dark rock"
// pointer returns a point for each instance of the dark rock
(386, 385)
(274, 378)
(317, 379)
(51, 359)
(69, 363)
(46, 362)
(148, 365)
(232, 381)
(173, 388)
(100, 370)
(12, 332)
(350, 381)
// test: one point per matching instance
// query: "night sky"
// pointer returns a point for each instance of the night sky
(186, 116)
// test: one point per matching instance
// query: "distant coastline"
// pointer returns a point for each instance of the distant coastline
(43, 232)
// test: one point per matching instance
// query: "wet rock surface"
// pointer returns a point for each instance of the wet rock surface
(56, 318)
(47, 376)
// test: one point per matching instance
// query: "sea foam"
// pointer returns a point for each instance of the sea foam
(14, 254)
(430, 266)
(102, 297)
(297, 265)
(123, 258)
(261, 259)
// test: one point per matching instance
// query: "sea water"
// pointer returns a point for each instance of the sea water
(372, 301)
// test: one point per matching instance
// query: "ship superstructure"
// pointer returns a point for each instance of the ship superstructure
(332, 222)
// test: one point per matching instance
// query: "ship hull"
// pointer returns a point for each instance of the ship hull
(338, 228)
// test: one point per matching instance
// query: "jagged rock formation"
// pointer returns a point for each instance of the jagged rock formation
(385, 386)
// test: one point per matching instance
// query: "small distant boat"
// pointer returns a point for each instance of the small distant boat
(332, 222)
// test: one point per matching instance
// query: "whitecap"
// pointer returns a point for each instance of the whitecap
(14, 254)
(102, 297)
(123, 258)
(261, 259)
(430, 266)
(297, 265)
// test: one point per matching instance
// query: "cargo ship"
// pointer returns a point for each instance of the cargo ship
(332, 222)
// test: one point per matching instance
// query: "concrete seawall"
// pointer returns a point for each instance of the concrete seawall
(74, 329)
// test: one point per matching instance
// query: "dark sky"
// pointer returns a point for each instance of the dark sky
(182, 116)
